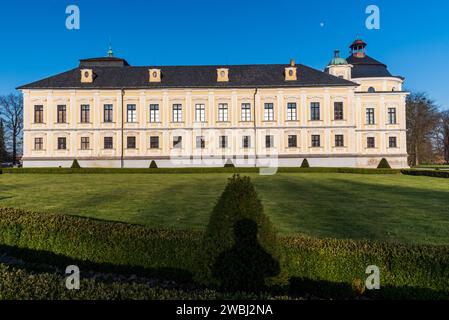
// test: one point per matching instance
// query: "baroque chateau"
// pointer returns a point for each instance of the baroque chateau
(107, 113)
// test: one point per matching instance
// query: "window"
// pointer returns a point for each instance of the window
(370, 116)
(246, 142)
(62, 143)
(154, 113)
(85, 113)
(131, 142)
(370, 142)
(108, 143)
(38, 143)
(291, 112)
(338, 111)
(316, 141)
(131, 113)
(315, 111)
(339, 140)
(269, 112)
(223, 142)
(177, 142)
(371, 90)
(391, 115)
(154, 142)
(38, 114)
(62, 114)
(292, 141)
(107, 113)
(200, 142)
(392, 142)
(177, 113)
(246, 112)
(223, 112)
(200, 113)
(269, 141)
(84, 143)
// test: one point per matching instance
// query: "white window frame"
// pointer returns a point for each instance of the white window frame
(268, 114)
(177, 112)
(246, 112)
(154, 113)
(131, 113)
(200, 112)
(292, 111)
(222, 112)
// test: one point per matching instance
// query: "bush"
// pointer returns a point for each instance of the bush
(239, 250)
(153, 165)
(75, 165)
(323, 267)
(383, 164)
(229, 164)
(427, 173)
(305, 164)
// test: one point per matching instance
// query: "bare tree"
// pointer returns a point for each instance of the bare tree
(422, 121)
(11, 111)
(443, 136)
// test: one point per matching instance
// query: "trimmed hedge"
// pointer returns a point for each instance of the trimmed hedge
(427, 173)
(191, 170)
(319, 266)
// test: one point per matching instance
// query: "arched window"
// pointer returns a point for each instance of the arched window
(393, 89)
(371, 90)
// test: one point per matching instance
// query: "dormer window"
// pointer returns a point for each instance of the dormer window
(155, 75)
(371, 90)
(222, 75)
(290, 72)
(87, 76)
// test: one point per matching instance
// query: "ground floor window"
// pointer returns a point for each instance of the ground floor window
(131, 142)
(154, 142)
(269, 141)
(62, 143)
(177, 142)
(223, 142)
(316, 141)
(339, 140)
(292, 141)
(108, 143)
(392, 142)
(200, 142)
(38, 143)
(246, 143)
(370, 142)
(84, 143)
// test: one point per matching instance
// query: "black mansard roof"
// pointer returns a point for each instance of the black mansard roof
(116, 73)
(367, 67)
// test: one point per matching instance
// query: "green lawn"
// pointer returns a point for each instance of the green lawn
(400, 208)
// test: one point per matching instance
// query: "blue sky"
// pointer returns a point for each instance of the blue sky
(413, 39)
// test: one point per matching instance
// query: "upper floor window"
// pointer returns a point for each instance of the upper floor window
(108, 143)
(223, 142)
(62, 143)
(292, 141)
(177, 142)
(392, 142)
(177, 113)
(107, 113)
(246, 142)
(246, 112)
(371, 90)
(338, 111)
(131, 142)
(85, 113)
(391, 115)
(339, 140)
(370, 142)
(154, 142)
(62, 114)
(269, 112)
(154, 113)
(223, 112)
(131, 113)
(39, 114)
(84, 143)
(269, 141)
(315, 111)
(316, 141)
(200, 113)
(291, 112)
(370, 116)
(38, 143)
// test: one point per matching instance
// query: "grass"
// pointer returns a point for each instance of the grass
(398, 208)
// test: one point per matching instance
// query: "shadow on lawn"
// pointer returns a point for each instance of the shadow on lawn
(45, 261)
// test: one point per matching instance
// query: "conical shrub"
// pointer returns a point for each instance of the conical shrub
(153, 164)
(75, 165)
(305, 164)
(383, 164)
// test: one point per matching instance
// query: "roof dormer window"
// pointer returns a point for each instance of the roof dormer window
(290, 72)
(87, 76)
(222, 75)
(155, 75)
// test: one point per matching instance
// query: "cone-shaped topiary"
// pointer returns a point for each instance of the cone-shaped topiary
(240, 250)
(383, 164)
(305, 164)
(75, 165)
(153, 164)
(229, 164)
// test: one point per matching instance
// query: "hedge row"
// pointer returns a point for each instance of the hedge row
(191, 170)
(323, 267)
(427, 173)
(22, 284)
